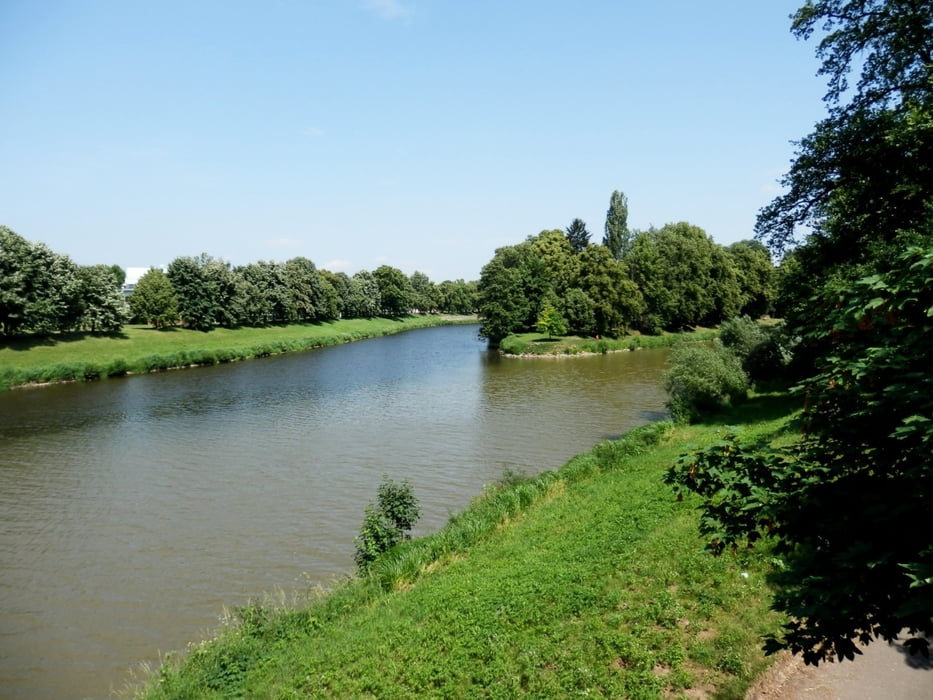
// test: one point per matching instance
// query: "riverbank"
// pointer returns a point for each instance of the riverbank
(590, 579)
(526, 345)
(140, 349)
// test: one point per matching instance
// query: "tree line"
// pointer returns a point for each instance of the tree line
(666, 278)
(44, 292)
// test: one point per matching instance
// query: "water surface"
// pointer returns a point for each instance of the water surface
(132, 510)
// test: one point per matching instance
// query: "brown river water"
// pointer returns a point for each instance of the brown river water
(133, 510)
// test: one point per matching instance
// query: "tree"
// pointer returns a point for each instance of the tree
(861, 185)
(456, 297)
(501, 302)
(756, 277)
(616, 300)
(550, 320)
(424, 293)
(617, 237)
(199, 298)
(394, 289)
(387, 522)
(675, 268)
(577, 235)
(848, 506)
(343, 292)
(561, 266)
(365, 300)
(153, 301)
(103, 308)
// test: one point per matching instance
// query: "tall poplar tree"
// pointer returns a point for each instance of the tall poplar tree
(617, 237)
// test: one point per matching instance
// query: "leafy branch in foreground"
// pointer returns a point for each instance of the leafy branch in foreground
(848, 505)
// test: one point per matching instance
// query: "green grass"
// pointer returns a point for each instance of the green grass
(540, 344)
(84, 356)
(587, 581)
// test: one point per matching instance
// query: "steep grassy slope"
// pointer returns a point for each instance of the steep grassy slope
(586, 581)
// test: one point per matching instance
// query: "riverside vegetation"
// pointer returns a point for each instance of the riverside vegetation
(588, 580)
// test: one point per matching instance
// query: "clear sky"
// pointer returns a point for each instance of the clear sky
(421, 134)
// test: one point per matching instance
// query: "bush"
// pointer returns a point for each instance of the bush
(387, 522)
(702, 379)
(764, 352)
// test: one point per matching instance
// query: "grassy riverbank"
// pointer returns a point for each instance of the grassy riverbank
(533, 344)
(137, 349)
(590, 580)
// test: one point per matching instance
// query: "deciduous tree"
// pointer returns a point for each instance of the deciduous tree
(153, 301)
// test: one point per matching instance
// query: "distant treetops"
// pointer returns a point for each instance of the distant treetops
(45, 292)
(665, 278)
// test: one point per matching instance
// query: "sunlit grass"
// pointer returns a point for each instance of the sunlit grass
(590, 580)
(540, 344)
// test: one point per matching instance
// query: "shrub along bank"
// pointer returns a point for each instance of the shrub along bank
(137, 349)
(591, 580)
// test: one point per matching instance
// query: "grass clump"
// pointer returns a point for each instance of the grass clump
(588, 580)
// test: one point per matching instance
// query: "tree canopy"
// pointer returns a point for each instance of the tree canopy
(847, 506)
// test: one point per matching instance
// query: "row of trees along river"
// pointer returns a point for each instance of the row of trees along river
(660, 279)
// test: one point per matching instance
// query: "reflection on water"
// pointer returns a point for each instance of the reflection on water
(132, 510)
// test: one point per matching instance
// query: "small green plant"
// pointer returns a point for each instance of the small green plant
(387, 522)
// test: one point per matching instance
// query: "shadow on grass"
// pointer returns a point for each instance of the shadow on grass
(758, 408)
(547, 340)
(28, 342)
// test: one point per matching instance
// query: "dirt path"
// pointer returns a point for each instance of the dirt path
(883, 672)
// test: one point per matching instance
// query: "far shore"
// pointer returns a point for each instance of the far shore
(37, 361)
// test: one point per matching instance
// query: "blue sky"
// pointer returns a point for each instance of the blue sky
(421, 134)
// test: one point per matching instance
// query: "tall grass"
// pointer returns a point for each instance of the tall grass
(589, 580)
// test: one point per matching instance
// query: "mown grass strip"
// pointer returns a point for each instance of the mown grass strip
(83, 356)
(590, 580)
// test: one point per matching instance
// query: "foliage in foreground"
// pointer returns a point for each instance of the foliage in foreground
(848, 506)
(587, 580)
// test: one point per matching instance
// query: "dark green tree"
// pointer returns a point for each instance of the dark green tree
(847, 507)
(617, 237)
(860, 187)
(577, 235)
(196, 290)
(580, 312)
(674, 267)
(394, 290)
(616, 300)
(153, 301)
(501, 302)
(756, 277)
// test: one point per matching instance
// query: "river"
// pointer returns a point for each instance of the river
(132, 510)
